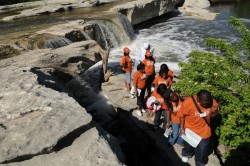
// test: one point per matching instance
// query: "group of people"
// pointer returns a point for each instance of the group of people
(191, 113)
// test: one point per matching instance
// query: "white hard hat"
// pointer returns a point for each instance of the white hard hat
(146, 45)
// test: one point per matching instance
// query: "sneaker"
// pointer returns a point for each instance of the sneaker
(132, 96)
(139, 112)
(142, 110)
(184, 159)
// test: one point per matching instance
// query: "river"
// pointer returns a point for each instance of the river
(172, 37)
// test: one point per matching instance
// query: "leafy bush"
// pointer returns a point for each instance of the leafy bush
(226, 76)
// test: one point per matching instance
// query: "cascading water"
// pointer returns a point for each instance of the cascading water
(114, 32)
(174, 38)
(57, 42)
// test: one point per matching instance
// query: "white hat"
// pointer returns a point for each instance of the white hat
(146, 45)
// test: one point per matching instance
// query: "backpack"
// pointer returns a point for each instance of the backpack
(152, 104)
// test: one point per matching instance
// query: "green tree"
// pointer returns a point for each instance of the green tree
(226, 75)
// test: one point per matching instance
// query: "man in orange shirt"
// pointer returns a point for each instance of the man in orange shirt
(149, 63)
(127, 64)
(139, 79)
(198, 122)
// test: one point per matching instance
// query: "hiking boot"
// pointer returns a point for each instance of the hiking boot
(139, 112)
(143, 110)
(184, 159)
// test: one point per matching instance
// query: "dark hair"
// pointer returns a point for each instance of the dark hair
(161, 89)
(164, 66)
(205, 98)
(140, 66)
(163, 70)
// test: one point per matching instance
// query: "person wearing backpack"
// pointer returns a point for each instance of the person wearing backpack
(162, 97)
(195, 114)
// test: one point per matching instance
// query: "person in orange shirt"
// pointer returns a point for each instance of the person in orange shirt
(198, 122)
(176, 105)
(149, 63)
(139, 79)
(170, 74)
(127, 64)
(162, 96)
(162, 78)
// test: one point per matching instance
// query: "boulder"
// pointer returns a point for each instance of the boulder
(199, 9)
(142, 10)
(7, 51)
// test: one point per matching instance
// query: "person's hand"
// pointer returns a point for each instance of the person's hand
(167, 126)
(182, 131)
(136, 93)
(214, 110)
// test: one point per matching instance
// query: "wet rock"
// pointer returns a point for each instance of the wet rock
(7, 51)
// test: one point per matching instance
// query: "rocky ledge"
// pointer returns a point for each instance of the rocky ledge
(41, 121)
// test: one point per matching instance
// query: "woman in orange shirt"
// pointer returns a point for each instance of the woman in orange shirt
(127, 64)
(162, 78)
(176, 105)
(149, 63)
(162, 96)
(169, 75)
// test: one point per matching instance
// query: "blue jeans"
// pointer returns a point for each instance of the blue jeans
(175, 136)
(200, 152)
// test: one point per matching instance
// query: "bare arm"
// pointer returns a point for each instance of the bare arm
(168, 118)
(182, 120)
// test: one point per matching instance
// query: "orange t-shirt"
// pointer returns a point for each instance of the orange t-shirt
(161, 100)
(139, 79)
(174, 116)
(149, 66)
(126, 60)
(170, 77)
(159, 80)
(193, 121)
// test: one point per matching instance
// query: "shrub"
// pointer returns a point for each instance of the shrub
(226, 75)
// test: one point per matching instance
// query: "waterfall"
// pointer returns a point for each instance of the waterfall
(113, 32)
(57, 42)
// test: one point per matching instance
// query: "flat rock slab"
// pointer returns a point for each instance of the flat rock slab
(36, 109)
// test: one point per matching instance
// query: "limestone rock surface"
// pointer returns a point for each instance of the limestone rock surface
(38, 111)
(141, 10)
(198, 8)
